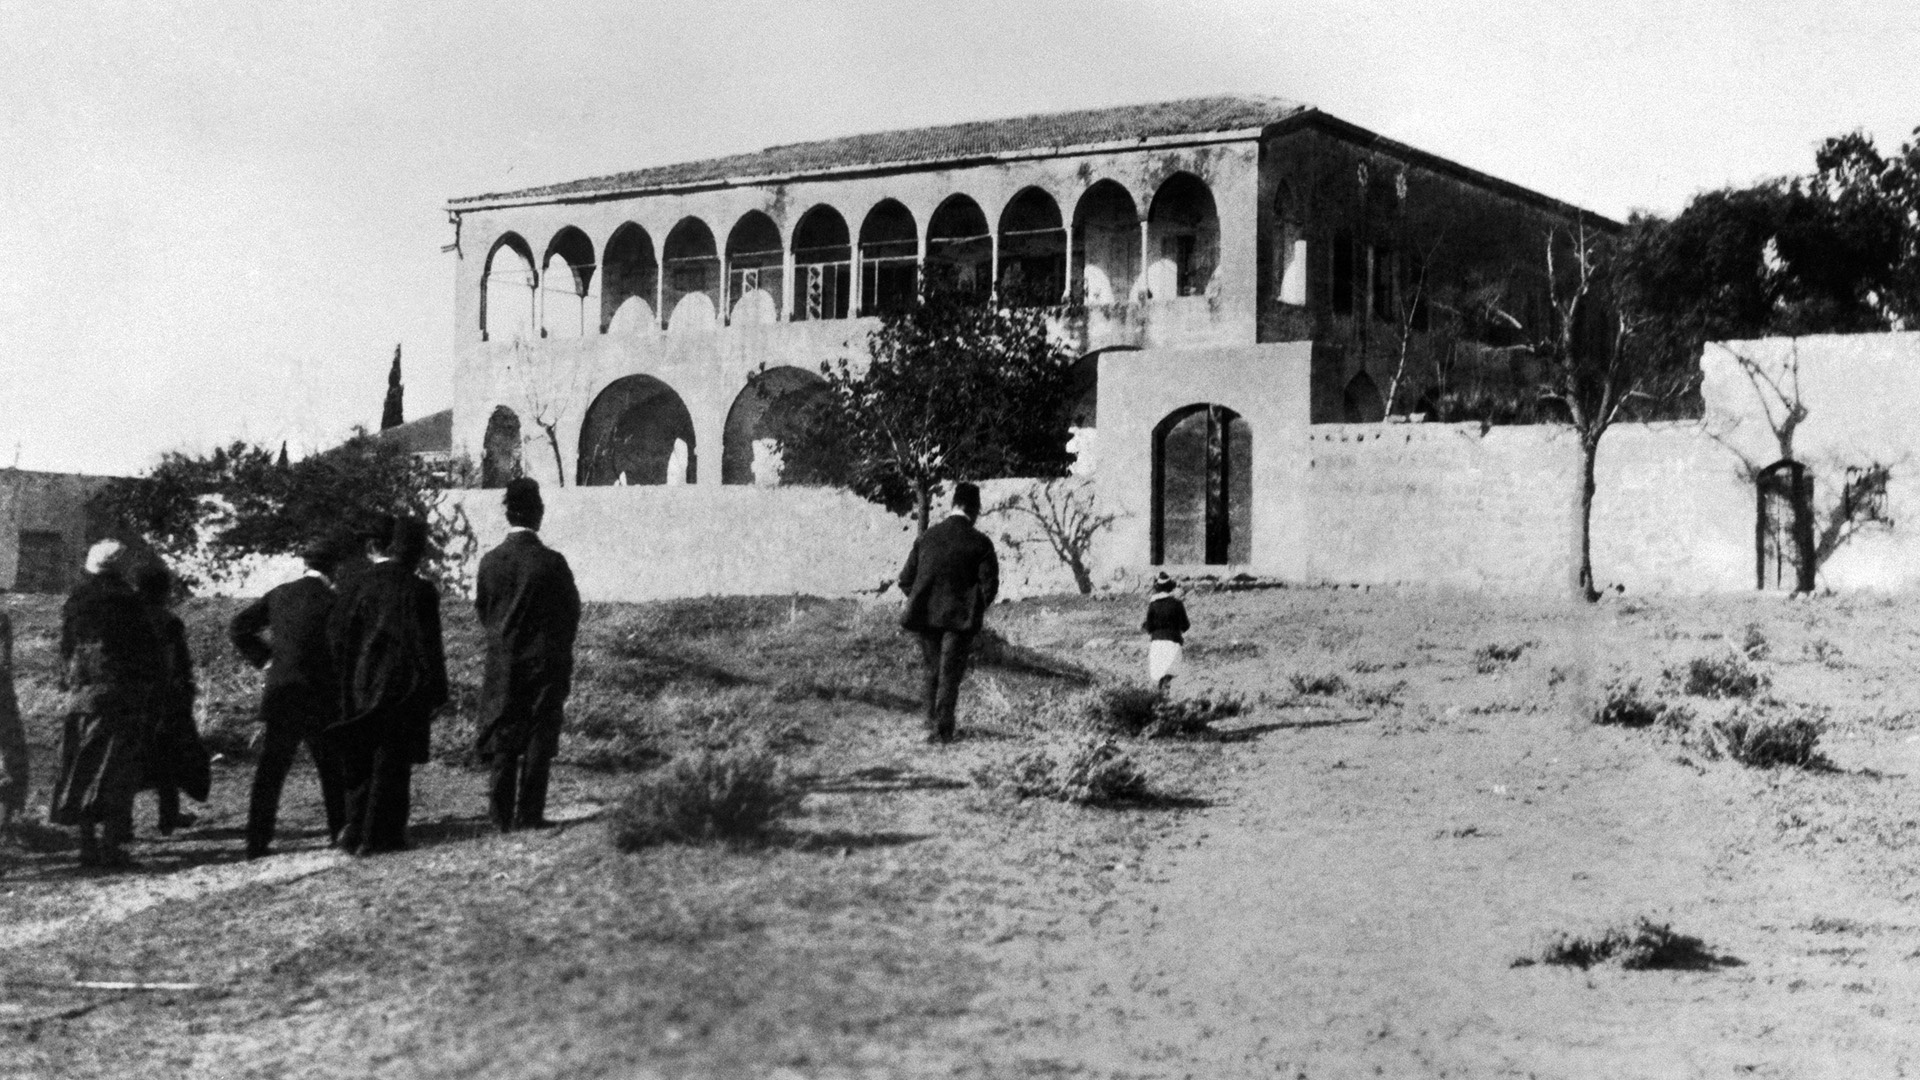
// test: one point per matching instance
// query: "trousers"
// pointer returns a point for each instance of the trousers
(519, 795)
(291, 721)
(943, 658)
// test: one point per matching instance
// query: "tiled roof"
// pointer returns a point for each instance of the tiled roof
(950, 142)
(432, 433)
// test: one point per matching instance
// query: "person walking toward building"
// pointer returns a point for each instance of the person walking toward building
(392, 672)
(1166, 628)
(111, 667)
(950, 579)
(14, 773)
(527, 602)
(175, 760)
(302, 696)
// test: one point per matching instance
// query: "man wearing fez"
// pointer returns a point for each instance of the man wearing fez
(950, 579)
(530, 609)
(391, 667)
(302, 696)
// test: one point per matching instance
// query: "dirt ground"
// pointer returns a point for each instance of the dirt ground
(1342, 889)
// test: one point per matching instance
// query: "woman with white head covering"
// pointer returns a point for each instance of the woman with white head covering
(112, 667)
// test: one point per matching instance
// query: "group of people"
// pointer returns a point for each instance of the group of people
(355, 671)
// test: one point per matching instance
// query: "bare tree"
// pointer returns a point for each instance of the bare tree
(1597, 369)
(550, 396)
(1067, 516)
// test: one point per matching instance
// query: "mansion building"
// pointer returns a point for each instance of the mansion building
(1232, 270)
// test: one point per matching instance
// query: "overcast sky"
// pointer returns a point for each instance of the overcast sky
(219, 218)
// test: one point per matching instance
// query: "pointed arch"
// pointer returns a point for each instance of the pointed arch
(500, 449)
(630, 280)
(822, 265)
(1033, 250)
(566, 279)
(692, 266)
(960, 246)
(1183, 238)
(507, 283)
(1360, 401)
(1202, 487)
(1106, 244)
(889, 259)
(755, 263)
(1289, 256)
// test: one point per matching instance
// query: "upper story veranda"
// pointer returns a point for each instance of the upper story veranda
(1146, 216)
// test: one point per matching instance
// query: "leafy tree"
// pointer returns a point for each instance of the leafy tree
(216, 510)
(954, 389)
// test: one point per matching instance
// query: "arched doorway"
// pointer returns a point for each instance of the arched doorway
(1360, 402)
(1783, 539)
(637, 431)
(749, 450)
(500, 449)
(1203, 488)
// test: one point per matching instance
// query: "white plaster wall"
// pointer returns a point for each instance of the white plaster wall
(652, 543)
(1265, 384)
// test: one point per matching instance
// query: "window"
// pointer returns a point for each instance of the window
(1383, 308)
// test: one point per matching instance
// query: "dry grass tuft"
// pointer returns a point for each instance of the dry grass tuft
(1765, 742)
(1643, 945)
(727, 796)
(1726, 676)
(1320, 684)
(1085, 771)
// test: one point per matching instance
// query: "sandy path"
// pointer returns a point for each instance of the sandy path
(1354, 904)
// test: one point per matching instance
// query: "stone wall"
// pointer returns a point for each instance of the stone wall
(652, 543)
(37, 506)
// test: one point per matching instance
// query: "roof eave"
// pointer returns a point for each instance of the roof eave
(1155, 142)
(1372, 140)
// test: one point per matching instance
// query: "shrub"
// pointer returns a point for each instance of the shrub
(1086, 771)
(1379, 697)
(1626, 706)
(1127, 709)
(1764, 742)
(1826, 652)
(1317, 685)
(1718, 677)
(1491, 658)
(730, 796)
(1186, 718)
(1643, 945)
(1753, 642)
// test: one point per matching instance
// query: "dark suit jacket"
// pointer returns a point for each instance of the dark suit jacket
(530, 609)
(387, 649)
(951, 578)
(295, 616)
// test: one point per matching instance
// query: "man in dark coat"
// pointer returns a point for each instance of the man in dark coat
(392, 674)
(951, 578)
(112, 667)
(302, 695)
(176, 760)
(530, 608)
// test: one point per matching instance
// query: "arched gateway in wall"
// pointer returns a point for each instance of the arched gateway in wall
(1203, 488)
(639, 429)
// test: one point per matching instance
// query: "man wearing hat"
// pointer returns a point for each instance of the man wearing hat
(530, 609)
(302, 694)
(951, 578)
